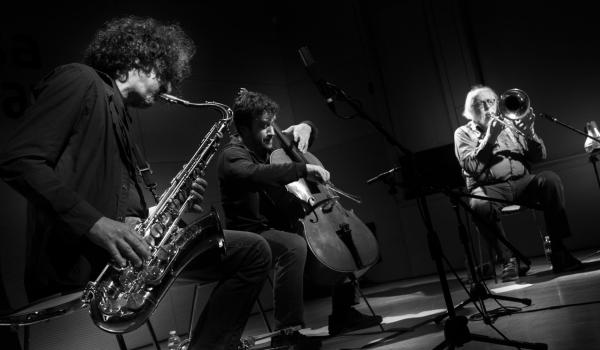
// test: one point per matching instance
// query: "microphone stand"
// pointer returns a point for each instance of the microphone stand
(456, 331)
(555, 120)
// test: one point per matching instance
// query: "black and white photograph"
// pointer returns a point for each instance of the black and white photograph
(299, 175)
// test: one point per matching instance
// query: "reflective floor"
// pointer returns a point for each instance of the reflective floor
(564, 314)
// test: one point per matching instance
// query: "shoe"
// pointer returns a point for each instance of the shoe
(296, 340)
(484, 271)
(510, 270)
(563, 261)
(523, 269)
(351, 320)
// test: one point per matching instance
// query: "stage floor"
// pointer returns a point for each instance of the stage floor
(564, 314)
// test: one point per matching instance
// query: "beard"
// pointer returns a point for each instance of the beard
(135, 99)
(267, 143)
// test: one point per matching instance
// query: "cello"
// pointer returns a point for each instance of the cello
(339, 242)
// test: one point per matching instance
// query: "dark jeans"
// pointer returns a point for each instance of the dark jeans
(544, 189)
(241, 274)
(289, 257)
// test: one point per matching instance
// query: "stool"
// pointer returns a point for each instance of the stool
(510, 210)
(54, 307)
(515, 209)
(197, 284)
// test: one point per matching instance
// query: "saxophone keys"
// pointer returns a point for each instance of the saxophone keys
(156, 231)
(135, 301)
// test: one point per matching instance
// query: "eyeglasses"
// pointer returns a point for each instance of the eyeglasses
(488, 102)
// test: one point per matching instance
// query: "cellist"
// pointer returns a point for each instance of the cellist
(248, 183)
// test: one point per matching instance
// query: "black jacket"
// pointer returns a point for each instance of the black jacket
(65, 158)
(251, 188)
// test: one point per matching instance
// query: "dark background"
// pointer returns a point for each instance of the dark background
(410, 63)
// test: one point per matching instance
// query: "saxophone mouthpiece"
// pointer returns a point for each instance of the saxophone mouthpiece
(173, 99)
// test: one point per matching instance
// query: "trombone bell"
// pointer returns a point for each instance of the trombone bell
(514, 104)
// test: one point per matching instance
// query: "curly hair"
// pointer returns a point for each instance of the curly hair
(249, 105)
(141, 43)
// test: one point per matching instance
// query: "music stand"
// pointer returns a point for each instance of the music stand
(439, 172)
(438, 168)
(426, 173)
(479, 291)
(432, 171)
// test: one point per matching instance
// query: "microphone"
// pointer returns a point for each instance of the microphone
(371, 180)
(325, 88)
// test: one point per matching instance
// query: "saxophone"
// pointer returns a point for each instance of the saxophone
(122, 298)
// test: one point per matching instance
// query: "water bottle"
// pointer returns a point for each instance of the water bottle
(547, 249)
(174, 340)
(246, 343)
(592, 130)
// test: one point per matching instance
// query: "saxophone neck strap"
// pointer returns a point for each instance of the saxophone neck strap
(144, 170)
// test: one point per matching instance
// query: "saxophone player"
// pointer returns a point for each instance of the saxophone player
(495, 159)
(73, 158)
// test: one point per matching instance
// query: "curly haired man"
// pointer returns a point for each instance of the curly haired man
(74, 159)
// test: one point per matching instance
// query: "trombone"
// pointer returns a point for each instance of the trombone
(513, 105)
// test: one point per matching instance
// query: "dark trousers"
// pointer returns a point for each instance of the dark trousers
(241, 274)
(289, 258)
(544, 189)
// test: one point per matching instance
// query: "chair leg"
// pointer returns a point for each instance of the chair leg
(492, 255)
(153, 334)
(537, 225)
(193, 312)
(121, 342)
(264, 315)
(26, 338)
(262, 309)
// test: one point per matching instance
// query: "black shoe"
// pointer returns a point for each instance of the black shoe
(296, 340)
(351, 320)
(523, 269)
(510, 270)
(563, 261)
(483, 272)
